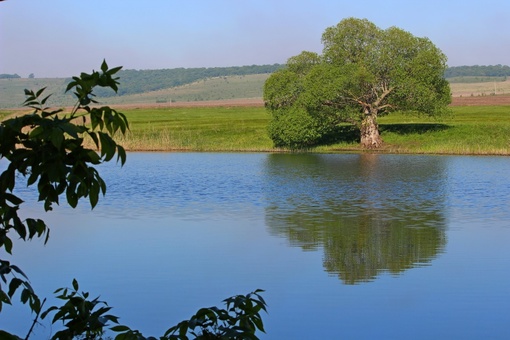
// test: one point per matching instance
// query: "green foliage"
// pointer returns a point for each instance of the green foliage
(46, 147)
(364, 72)
(80, 316)
(85, 318)
(295, 129)
(18, 279)
(240, 320)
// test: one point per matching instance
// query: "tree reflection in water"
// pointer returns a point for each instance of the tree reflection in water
(369, 213)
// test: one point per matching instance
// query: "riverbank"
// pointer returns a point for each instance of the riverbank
(471, 130)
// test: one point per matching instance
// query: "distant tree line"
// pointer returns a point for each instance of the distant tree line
(477, 71)
(9, 76)
(140, 81)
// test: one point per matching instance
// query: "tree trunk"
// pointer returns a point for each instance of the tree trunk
(370, 138)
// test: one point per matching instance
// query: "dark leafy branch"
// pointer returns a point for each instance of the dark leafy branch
(240, 320)
(46, 148)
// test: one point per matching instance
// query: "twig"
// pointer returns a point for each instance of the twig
(35, 320)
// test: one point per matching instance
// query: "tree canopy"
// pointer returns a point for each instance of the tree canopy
(364, 72)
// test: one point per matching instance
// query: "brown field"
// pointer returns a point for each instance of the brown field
(252, 102)
(480, 89)
(469, 94)
(463, 94)
(481, 100)
(242, 102)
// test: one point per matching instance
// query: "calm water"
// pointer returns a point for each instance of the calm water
(346, 246)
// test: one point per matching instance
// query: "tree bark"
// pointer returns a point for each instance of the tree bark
(370, 138)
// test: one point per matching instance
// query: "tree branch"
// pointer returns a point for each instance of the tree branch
(386, 92)
(35, 320)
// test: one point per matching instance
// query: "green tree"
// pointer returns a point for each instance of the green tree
(364, 72)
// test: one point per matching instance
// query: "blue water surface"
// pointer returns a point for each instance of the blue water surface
(357, 246)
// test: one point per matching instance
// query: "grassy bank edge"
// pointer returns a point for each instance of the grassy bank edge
(473, 130)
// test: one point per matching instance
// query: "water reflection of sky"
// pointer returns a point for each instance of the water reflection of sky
(180, 231)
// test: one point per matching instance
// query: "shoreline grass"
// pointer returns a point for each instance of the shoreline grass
(197, 129)
(472, 130)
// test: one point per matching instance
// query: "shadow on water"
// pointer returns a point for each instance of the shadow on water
(368, 213)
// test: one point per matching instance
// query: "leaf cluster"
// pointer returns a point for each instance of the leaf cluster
(87, 318)
(79, 315)
(19, 279)
(240, 320)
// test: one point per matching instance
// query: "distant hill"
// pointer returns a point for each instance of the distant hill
(141, 81)
(210, 89)
(203, 84)
(160, 85)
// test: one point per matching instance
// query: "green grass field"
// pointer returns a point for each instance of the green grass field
(472, 130)
(198, 129)
(480, 130)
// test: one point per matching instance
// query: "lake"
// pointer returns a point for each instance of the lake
(349, 246)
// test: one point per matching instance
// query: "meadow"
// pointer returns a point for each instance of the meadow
(226, 114)
(471, 130)
(197, 129)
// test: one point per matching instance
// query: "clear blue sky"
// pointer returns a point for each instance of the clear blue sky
(58, 38)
